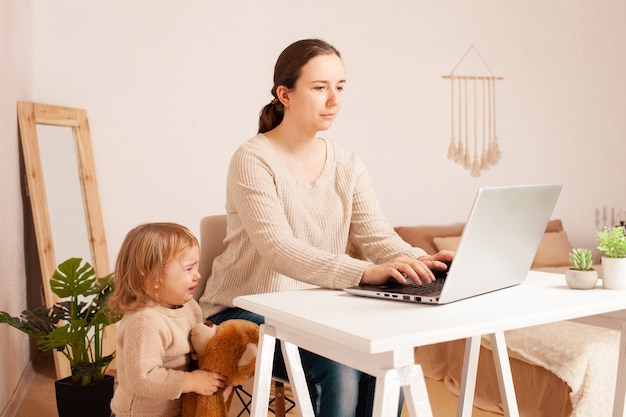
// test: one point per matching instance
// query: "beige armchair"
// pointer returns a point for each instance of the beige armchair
(212, 234)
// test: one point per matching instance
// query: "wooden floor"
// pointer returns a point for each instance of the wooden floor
(40, 400)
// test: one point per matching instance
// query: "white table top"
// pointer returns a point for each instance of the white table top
(365, 325)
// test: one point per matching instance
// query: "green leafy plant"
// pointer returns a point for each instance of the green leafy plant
(75, 324)
(581, 259)
(612, 241)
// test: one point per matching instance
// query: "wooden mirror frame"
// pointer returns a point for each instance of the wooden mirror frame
(29, 116)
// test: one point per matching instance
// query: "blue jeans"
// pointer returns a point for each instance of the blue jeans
(336, 390)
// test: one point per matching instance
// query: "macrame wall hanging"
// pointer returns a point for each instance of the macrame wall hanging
(473, 139)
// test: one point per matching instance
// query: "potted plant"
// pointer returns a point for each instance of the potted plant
(75, 326)
(612, 245)
(581, 275)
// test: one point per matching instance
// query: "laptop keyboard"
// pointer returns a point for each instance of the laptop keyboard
(432, 289)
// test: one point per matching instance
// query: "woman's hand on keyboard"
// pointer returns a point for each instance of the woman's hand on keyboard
(404, 268)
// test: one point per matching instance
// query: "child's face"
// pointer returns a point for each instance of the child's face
(180, 279)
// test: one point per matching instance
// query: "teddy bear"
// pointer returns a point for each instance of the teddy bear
(229, 349)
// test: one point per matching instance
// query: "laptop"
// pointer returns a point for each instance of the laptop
(497, 247)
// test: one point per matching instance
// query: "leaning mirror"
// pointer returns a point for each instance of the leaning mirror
(63, 192)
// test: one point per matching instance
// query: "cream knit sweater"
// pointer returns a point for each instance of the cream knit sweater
(283, 235)
(153, 353)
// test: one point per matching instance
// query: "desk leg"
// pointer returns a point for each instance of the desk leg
(293, 363)
(620, 383)
(263, 371)
(468, 376)
(387, 394)
(415, 394)
(503, 371)
(398, 369)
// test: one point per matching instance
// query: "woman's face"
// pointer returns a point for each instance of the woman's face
(316, 99)
(180, 279)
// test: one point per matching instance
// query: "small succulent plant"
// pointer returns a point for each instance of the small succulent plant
(580, 259)
(612, 242)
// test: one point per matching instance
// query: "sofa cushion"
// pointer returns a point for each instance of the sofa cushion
(447, 243)
(553, 250)
(423, 236)
(554, 226)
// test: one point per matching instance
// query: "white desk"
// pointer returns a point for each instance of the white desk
(378, 337)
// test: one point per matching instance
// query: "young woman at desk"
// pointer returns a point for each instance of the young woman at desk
(293, 199)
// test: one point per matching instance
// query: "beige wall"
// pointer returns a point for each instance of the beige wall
(172, 88)
(16, 67)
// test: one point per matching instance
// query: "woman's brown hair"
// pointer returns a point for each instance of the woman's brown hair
(141, 263)
(286, 72)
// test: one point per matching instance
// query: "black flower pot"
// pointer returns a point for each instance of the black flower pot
(75, 400)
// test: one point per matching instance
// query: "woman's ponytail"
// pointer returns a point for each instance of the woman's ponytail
(271, 115)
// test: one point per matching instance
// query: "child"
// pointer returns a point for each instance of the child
(156, 274)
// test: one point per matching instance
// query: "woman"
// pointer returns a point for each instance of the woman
(293, 200)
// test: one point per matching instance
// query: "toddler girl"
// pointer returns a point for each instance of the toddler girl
(156, 274)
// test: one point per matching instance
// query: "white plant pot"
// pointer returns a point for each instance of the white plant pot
(614, 273)
(581, 280)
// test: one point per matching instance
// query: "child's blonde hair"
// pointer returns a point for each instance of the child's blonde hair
(141, 262)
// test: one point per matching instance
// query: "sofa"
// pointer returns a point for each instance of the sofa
(564, 369)
(552, 254)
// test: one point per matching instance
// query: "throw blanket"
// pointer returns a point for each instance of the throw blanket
(583, 356)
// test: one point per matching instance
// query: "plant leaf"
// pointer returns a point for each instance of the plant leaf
(75, 324)
(37, 323)
(72, 280)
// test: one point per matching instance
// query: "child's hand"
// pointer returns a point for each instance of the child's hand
(203, 382)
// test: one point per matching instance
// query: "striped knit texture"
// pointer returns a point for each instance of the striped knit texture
(283, 235)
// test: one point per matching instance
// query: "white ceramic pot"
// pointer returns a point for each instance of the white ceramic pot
(581, 280)
(614, 273)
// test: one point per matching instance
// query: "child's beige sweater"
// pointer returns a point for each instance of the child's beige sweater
(153, 352)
